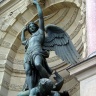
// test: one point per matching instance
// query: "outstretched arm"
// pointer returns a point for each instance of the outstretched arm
(23, 39)
(40, 15)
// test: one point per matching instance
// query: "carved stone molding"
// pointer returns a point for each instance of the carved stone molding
(2, 57)
(6, 44)
(71, 19)
(61, 17)
(74, 89)
(16, 61)
(1, 39)
(76, 31)
(68, 78)
(10, 58)
(12, 87)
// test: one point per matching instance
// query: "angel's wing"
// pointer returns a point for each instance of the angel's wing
(58, 40)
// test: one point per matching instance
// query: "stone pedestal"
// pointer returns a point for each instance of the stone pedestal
(85, 72)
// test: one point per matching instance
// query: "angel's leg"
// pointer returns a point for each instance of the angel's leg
(29, 78)
(38, 64)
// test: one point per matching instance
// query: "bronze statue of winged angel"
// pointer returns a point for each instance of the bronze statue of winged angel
(38, 47)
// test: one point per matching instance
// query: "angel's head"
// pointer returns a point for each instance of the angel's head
(32, 27)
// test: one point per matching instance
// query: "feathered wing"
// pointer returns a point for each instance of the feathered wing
(58, 40)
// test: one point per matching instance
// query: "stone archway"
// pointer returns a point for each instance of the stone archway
(12, 54)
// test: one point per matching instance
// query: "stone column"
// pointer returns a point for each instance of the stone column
(91, 25)
(85, 72)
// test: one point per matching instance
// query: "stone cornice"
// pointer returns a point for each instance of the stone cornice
(6, 5)
(84, 69)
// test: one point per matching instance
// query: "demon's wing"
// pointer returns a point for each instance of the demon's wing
(58, 40)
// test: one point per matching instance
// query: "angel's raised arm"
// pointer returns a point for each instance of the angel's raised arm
(23, 39)
(40, 15)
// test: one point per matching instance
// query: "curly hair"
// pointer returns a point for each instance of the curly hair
(35, 26)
